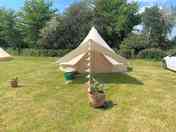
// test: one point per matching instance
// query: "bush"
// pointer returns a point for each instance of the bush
(40, 52)
(163, 64)
(153, 53)
(127, 53)
(172, 52)
(132, 45)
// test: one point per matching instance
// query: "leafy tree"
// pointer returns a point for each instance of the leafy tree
(3, 43)
(34, 15)
(10, 35)
(115, 19)
(132, 45)
(156, 27)
(51, 33)
(69, 29)
(77, 21)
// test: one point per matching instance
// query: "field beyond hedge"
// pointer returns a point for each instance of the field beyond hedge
(144, 99)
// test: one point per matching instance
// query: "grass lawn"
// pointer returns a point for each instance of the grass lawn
(145, 99)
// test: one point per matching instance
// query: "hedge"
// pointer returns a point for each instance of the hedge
(39, 52)
(152, 53)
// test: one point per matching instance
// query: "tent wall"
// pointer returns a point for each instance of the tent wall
(120, 68)
(99, 64)
(103, 58)
(4, 55)
(5, 58)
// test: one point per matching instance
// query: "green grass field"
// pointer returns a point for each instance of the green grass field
(145, 99)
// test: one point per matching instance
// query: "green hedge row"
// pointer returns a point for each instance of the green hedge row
(149, 53)
(152, 53)
(39, 52)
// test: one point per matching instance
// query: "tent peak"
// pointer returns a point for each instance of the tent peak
(93, 30)
(95, 36)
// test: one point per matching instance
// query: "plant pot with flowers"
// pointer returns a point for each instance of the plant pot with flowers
(96, 93)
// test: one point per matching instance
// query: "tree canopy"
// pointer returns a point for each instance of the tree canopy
(156, 26)
(115, 19)
(39, 25)
(33, 17)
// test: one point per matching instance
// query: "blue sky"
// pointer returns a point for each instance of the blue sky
(62, 4)
(17, 4)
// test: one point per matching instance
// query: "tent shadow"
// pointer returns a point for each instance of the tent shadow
(117, 78)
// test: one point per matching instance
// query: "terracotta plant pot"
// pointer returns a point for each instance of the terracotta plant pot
(96, 99)
(14, 83)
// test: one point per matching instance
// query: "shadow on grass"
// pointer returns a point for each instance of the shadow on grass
(108, 105)
(117, 78)
(171, 70)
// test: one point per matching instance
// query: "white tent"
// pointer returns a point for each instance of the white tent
(105, 60)
(4, 55)
(171, 62)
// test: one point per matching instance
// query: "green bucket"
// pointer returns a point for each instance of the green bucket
(68, 76)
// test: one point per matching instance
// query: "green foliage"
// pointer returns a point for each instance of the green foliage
(96, 86)
(69, 29)
(173, 43)
(33, 18)
(40, 52)
(163, 64)
(127, 53)
(10, 35)
(153, 53)
(115, 19)
(50, 34)
(171, 52)
(77, 21)
(37, 26)
(131, 45)
(157, 25)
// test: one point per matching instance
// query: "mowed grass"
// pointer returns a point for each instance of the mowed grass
(145, 99)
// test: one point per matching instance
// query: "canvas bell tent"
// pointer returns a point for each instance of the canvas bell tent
(4, 55)
(103, 58)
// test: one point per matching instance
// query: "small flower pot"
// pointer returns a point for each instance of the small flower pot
(14, 83)
(96, 99)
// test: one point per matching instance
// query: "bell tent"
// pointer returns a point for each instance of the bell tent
(103, 58)
(4, 55)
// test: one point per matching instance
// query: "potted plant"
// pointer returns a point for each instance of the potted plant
(96, 93)
(14, 82)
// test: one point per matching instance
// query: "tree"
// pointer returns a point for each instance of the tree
(132, 45)
(115, 19)
(156, 27)
(51, 34)
(77, 21)
(69, 29)
(10, 35)
(3, 42)
(34, 15)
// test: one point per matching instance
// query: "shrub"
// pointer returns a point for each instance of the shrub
(172, 52)
(132, 45)
(127, 53)
(153, 53)
(40, 52)
(163, 64)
